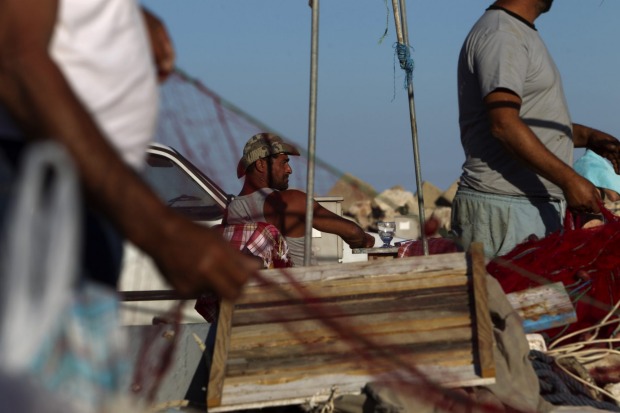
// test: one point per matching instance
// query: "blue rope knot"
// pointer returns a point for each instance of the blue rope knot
(406, 62)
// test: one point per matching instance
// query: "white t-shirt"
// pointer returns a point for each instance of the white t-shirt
(103, 50)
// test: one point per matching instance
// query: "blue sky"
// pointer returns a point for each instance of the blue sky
(256, 54)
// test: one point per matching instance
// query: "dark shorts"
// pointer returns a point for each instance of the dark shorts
(102, 251)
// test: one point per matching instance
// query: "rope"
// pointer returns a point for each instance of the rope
(326, 407)
(387, 22)
(559, 388)
(406, 62)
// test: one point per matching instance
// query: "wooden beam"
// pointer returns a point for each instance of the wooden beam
(482, 324)
(277, 293)
(456, 262)
(220, 354)
(153, 295)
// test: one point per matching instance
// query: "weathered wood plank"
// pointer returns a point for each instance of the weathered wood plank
(543, 307)
(276, 293)
(482, 323)
(220, 354)
(286, 369)
(244, 396)
(313, 331)
(331, 342)
(435, 299)
(414, 265)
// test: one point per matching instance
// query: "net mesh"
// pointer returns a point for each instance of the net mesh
(211, 133)
(585, 260)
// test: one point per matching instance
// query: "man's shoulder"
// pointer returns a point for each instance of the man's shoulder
(288, 195)
(501, 24)
(257, 193)
(290, 198)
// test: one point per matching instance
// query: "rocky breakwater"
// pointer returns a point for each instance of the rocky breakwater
(366, 206)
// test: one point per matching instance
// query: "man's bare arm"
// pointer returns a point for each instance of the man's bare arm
(600, 142)
(326, 221)
(287, 211)
(518, 138)
(40, 99)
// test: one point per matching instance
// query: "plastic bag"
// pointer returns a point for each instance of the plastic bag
(55, 333)
(38, 263)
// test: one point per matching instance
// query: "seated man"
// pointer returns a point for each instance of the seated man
(265, 197)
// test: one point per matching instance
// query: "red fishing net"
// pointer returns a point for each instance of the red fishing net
(585, 260)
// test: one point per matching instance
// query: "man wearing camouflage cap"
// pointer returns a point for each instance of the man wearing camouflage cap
(265, 197)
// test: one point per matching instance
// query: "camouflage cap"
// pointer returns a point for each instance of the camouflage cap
(261, 146)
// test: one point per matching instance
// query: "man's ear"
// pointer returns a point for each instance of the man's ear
(260, 165)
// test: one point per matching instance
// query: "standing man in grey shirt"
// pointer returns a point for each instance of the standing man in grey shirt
(265, 197)
(517, 134)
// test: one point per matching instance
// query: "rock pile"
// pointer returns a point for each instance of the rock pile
(366, 206)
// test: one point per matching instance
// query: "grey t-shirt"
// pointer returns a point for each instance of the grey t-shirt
(503, 51)
(248, 208)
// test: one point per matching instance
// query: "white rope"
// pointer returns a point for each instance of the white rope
(583, 355)
(201, 344)
(325, 407)
(596, 327)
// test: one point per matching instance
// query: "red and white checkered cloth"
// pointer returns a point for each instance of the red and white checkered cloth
(260, 239)
(435, 246)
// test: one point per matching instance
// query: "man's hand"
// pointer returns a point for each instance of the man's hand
(600, 142)
(161, 45)
(369, 240)
(581, 196)
(194, 259)
(608, 147)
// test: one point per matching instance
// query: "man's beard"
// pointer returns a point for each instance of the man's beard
(545, 5)
(280, 185)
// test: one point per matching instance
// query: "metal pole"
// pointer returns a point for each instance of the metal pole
(402, 34)
(314, 58)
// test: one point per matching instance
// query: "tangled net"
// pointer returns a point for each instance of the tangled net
(585, 260)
